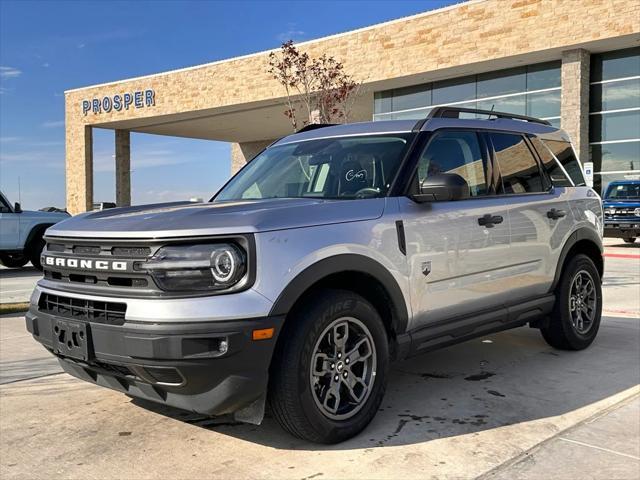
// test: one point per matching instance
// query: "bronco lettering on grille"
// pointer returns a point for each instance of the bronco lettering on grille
(85, 264)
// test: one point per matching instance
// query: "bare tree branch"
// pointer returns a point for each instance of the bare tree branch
(318, 86)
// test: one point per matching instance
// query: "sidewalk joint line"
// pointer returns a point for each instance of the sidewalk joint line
(598, 448)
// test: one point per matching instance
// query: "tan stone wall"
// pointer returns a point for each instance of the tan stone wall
(123, 168)
(241, 153)
(575, 99)
(469, 33)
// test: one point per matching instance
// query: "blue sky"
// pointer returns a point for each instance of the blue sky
(48, 47)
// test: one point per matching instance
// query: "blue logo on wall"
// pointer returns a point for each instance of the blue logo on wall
(119, 102)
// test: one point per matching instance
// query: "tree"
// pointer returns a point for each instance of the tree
(318, 90)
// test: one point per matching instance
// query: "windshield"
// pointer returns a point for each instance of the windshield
(624, 191)
(336, 168)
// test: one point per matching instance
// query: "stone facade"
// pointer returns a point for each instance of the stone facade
(123, 168)
(241, 153)
(575, 99)
(481, 33)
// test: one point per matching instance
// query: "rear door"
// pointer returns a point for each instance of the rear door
(456, 265)
(539, 215)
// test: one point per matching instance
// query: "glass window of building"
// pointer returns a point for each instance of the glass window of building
(614, 126)
(529, 90)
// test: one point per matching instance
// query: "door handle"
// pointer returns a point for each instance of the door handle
(556, 214)
(489, 221)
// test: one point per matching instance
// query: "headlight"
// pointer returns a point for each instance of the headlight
(185, 268)
(609, 211)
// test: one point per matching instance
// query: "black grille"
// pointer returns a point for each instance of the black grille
(620, 212)
(55, 247)
(130, 282)
(114, 369)
(110, 313)
(133, 252)
(86, 250)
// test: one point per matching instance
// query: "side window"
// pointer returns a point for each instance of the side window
(564, 153)
(455, 152)
(551, 165)
(518, 168)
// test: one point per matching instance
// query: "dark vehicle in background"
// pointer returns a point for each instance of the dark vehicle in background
(621, 205)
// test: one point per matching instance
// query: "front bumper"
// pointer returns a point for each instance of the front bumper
(622, 229)
(184, 365)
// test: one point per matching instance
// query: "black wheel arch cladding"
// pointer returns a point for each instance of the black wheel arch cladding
(35, 232)
(583, 240)
(345, 264)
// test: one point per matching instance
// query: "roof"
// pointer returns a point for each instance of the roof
(406, 126)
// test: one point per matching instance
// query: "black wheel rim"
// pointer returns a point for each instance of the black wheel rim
(343, 368)
(583, 301)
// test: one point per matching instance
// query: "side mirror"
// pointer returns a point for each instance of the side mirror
(441, 188)
(17, 208)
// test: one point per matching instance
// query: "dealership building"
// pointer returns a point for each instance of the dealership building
(575, 63)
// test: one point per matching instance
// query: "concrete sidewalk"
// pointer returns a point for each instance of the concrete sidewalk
(21, 357)
(479, 408)
(603, 447)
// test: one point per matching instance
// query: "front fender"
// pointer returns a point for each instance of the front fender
(338, 264)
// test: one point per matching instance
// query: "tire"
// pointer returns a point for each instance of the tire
(630, 240)
(565, 331)
(13, 260)
(295, 396)
(35, 250)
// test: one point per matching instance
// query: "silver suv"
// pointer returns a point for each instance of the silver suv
(334, 251)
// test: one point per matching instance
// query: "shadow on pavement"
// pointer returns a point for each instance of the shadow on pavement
(499, 380)
(27, 271)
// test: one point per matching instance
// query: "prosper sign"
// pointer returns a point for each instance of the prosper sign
(120, 101)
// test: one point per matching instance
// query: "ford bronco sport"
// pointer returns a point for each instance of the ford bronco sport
(334, 251)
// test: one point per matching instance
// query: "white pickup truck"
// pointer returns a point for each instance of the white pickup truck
(21, 233)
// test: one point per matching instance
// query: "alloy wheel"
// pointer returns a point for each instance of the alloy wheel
(583, 301)
(343, 368)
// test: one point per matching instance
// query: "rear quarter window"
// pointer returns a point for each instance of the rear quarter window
(563, 153)
(551, 165)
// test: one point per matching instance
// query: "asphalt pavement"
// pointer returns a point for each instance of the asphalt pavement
(505, 406)
(16, 284)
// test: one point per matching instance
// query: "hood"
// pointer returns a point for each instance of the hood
(44, 216)
(620, 203)
(188, 219)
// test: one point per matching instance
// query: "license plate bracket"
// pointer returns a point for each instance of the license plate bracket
(71, 339)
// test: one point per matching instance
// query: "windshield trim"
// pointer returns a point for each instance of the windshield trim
(280, 143)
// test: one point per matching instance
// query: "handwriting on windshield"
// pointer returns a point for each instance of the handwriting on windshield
(353, 175)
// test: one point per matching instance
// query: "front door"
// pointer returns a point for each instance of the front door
(9, 226)
(457, 260)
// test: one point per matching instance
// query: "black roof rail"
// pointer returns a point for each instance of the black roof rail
(454, 112)
(315, 126)
(306, 128)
